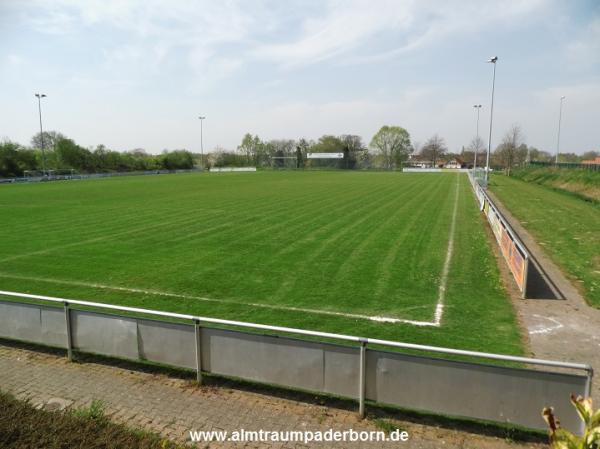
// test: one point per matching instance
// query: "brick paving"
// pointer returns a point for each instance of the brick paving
(174, 406)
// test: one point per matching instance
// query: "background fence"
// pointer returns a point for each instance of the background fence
(359, 371)
(571, 165)
(75, 176)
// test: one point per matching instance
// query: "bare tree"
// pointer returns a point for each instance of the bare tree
(510, 150)
(477, 147)
(434, 148)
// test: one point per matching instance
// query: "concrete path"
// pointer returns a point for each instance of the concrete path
(174, 406)
(561, 329)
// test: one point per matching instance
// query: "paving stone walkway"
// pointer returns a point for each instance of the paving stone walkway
(173, 406)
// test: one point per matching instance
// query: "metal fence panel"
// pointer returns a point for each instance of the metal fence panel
(168, 343)
(283, 361)
(104, 334)
(262, 358)
(54, 327)
(471, 390)
(33, 323)
(21, 322)
(342, 367)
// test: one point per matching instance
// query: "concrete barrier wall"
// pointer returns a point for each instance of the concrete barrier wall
(433, 385)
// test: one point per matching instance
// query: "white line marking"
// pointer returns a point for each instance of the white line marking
(381, 319)
(439, 309)
(546, 330)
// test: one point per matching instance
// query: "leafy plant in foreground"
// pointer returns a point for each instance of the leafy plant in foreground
(563, 439)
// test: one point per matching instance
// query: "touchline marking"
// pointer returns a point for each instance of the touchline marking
(439, 308)
(381, 319)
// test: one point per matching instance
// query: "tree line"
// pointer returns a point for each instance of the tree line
(62, 153)
(389, 149)
(512, 152)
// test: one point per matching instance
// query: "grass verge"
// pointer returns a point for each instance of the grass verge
(581, 183)
(567, 227)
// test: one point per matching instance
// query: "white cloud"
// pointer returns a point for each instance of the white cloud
(350, 25)
(344, 25)
(314, 33)
(584, 51)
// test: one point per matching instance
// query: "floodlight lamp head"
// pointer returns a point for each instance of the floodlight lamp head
(493, 60)
(563, 97)
(202, 117)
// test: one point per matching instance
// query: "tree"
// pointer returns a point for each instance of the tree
(590, 155)
(50, 139)
(354, 150)
(538, 155)
(71, 155)
(571, 158)
(177, 160)
(301, 149)
(250, 147)
(328, 144)
(434, 148)
(477, 147)
(393, 143)
(511, 149)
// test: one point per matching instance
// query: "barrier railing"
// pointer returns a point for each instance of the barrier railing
(514, 252)
(434, 385)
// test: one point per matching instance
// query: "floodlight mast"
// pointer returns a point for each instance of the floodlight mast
(202, 117)
(559, 120)
(489, 150)
(39, 97)
(478, 107)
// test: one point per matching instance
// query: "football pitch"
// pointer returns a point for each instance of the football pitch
(401, 256)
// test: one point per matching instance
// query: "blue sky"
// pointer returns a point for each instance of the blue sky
(132, 74)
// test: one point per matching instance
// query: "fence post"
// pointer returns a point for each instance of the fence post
(362, 379)
(198, 351)
(69, 335)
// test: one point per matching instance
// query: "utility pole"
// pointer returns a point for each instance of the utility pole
(201, 144)
(489, 150)
(39, 97)
(559, 120)
(478, 107)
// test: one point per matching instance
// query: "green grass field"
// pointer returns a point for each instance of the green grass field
(316, 250)
(566, 226)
